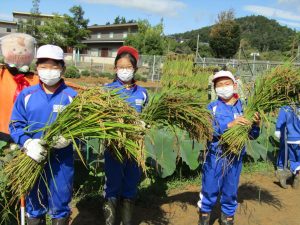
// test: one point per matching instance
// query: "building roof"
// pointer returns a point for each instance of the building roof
(114, 26)
(8, 22)
(29, 14)
(102, 41)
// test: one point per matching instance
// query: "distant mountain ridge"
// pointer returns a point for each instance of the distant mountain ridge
(257, 31)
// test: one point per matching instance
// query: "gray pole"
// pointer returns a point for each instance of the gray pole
(153, 69)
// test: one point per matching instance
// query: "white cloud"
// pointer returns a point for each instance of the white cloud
(288, 1)
(160, 7)
(289, 23)
(273, 12)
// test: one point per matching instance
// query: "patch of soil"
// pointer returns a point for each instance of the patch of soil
(261, 202)
(99, 81)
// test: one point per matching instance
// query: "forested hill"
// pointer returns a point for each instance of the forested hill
(258, 31)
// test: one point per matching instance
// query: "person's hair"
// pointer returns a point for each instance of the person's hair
(129, 56)
(215, 70)
(58, 62)
(215, 81)
(131, 59)
(224, 68)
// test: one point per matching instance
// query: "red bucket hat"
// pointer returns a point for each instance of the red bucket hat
(129, 49)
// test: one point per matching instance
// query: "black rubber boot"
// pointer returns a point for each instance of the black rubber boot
(204, 218)
(296, 181)
(127, 211)
(110, 207)
(282, 176)
(226, 220)
(61, 221)
(36, 221)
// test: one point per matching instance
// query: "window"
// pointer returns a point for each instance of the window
(99, 35)
(38, 22)
(125, 34)
(111, 35)
(94, 52)
(8, 29)
(104, 52)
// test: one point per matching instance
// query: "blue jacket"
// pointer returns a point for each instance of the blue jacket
(224, 114)
(35, 109)
(136, 96)
(289, 117)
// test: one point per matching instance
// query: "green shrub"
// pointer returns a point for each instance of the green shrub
(139, 77)
(85, 73)
(72, 72)
(95, 74)
(107, 75)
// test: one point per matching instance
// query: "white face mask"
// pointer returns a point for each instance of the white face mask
(225, 92)
(49, 77)
(125, 75)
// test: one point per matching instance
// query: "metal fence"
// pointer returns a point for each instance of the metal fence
(150, 66)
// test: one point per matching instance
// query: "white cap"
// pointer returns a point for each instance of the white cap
(223, 73)
(50, 52)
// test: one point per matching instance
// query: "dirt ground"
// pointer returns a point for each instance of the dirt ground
(261, 202)
(94, 81)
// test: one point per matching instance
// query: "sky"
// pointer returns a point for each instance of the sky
(178, 15)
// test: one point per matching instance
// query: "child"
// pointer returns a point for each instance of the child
(36, 107)
(122, 178)
(289, 118)
(221, 174)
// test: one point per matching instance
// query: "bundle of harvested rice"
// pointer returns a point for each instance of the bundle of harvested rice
(174, 108)
(94, 113)
(273, 90)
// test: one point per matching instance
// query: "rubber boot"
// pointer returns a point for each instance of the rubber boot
(60, 221)
(204, 218)
(110, 211)
(127, 211)
(36, 221)
(296, 181)
(282, 176)
(226, 220)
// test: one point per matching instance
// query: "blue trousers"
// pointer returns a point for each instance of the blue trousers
(121, 178)
(294, 157)
(220, 177)
(281, 155)
(53, 191)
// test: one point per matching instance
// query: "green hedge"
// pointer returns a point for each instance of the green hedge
(72, 72)
(85, 73)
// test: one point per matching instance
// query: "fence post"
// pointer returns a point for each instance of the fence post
(153, 69)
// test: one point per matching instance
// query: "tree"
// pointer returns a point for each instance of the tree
(149, 39)
(77, 28)
(35, 7)
(53, 32)
(224, 37)
(65, 31)
(121, 20)
(32, 24)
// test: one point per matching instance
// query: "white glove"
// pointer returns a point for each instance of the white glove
(60, 142)
(277, 134)
(35, 149)
(144, 125)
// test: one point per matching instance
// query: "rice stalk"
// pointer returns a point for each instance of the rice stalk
(174, 108)
(273, 90)
(94, 113)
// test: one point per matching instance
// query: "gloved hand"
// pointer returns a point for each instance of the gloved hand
(144, 125)
(35, 149)
(60, 142)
